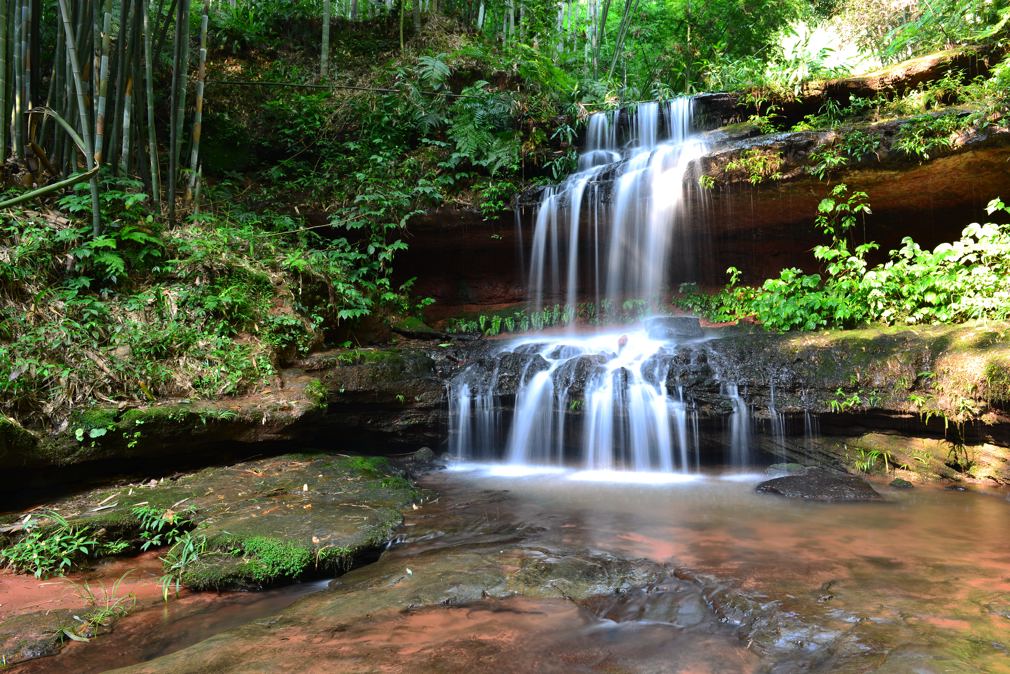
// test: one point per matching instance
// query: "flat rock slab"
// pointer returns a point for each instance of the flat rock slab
(260, 523)
(821, 485)
(33, 635)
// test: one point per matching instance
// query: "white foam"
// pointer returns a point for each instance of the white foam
(743, 477)
(634, 477)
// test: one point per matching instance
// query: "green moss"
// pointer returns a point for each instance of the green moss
(174, 414)
(270, 559)
(317, 394)
(142, 415)
(93, 423)
(336, 559)
(359, 356)
(371, 466)
(414, 326)
(997, 382)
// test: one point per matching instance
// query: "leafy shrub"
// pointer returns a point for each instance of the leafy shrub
(963, 280)
(161, 527)
(928, 133)
(49, 550)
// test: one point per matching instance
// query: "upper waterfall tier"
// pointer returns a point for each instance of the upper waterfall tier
(619, 245)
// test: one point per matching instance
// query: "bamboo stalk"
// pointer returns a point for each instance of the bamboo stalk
(201, 77)
(4, 120)
(148, 86)
(96, 215)
(48, 189)
(324, 59)
(130, 108)
(180, 66)
(18, 76)
(122, 69)
(26, 63)
(124, 155)
(103, 83)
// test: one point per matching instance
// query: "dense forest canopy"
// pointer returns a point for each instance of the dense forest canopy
(196, 192)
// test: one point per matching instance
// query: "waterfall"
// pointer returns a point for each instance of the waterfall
(620, 244)
(612, 231)
(739, 426)
(778, 423)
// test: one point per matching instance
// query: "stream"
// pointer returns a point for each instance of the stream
(565, 571)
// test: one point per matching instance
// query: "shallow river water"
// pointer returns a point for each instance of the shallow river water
(729, 580)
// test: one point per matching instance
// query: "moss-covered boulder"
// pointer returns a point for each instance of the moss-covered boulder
(254, 524)
(33, 635)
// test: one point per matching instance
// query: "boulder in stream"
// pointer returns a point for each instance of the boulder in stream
(816, 484)
(673, 327)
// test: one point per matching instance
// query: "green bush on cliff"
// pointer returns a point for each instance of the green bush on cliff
(963, 280)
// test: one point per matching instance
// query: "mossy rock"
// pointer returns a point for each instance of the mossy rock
(264, 522)
(33, 635)
(416, 328)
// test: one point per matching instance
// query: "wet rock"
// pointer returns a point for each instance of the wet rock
(33, 635)
(955, 487)
(790, 468)
(820, 485)
(580, 576)
(421, 461)
(673, 327)
(262, 523)
(899, 483)
(415, 328)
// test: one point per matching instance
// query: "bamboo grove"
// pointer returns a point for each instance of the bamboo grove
(78, 88)
(89, 86)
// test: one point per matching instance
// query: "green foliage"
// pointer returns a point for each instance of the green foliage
(867, 460)
(921, 26)
(269, 559)
(963, 280)
(772, 70)
(238, 26)
(317, 394)
(523, 320)
(180, 558)
(106, 607)
(49, 550)
(481, 130)
(958, 281)
(161, 527)
(925, 134)
(757, 165)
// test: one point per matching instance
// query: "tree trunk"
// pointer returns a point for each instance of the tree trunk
(152, 141)
(180, 68)
(324, 58)
(84, 117)
(4, 119)
(103, 82)
(201, 76)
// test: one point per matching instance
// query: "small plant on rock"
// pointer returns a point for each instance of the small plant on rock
(180, 558)
(49, 551)
(162, 527)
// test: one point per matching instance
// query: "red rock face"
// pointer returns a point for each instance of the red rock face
(464, 262)
(469, 264)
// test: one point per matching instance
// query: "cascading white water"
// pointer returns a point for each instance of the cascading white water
(611, 231)
(602, 401)
(619, 245)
